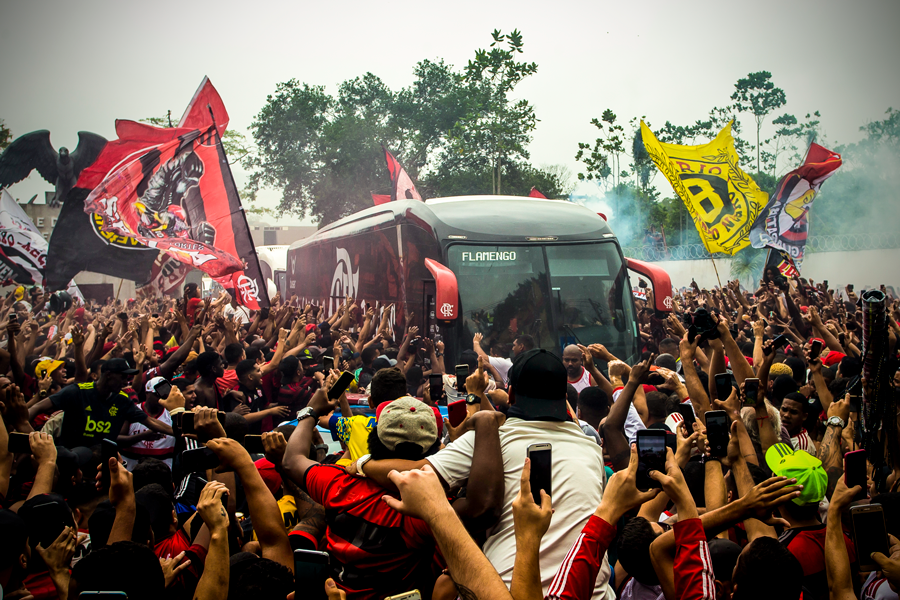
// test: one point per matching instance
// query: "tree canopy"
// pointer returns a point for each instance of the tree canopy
(455, 132)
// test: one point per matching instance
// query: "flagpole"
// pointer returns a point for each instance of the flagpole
(121, 281)
(715, 269)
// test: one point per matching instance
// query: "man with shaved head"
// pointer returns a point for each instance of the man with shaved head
(576, 374)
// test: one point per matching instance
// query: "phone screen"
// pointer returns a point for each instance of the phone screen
(456, 412)
(162, 389)
(329, 363)
(717, 433)
(540, 470)
(187, 422)
(651, 447)
(253, 444)
(311, 569)
(110, 450)
(436, 385)
(200, 459)
(51, 520)
(462, 372)
(687, 413)
(723, 386)
(340, 386)
(815, 349)
(751, 391)
(19, 443)
(855, 471)
(870, 534)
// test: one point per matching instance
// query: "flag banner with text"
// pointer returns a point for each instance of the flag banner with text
(783, 222)
(722, 200)
(166, 277)
(180, 197)
(24, 248)
(782, 261)
(402, 186)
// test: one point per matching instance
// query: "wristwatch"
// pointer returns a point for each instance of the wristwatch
(835, 421)
(473, 399)
(305, 413)
(360, 463)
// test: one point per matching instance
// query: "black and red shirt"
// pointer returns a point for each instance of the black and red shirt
(375, 551)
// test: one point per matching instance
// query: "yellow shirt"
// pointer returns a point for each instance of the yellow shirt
(354, 432)
(288, 508)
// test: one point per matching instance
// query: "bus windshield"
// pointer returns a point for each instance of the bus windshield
(558, 294)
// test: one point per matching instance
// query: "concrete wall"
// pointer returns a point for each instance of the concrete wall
(863, 268)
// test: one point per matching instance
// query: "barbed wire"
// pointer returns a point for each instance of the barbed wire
(845, 242)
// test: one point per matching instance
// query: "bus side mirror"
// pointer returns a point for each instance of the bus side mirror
(659, 279)
(446, 298)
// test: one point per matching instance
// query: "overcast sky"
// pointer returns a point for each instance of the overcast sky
(70, 66)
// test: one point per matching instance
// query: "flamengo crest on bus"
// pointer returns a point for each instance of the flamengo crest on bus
(446, 310)
(345, 281)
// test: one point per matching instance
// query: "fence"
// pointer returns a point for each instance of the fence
(846, 242)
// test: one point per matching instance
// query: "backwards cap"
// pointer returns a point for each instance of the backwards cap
(784, 461)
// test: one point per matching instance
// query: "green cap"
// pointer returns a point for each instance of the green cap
(802, 466)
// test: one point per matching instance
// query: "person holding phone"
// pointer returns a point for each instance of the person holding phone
(805, 537)
(137, 440)
(98, 410)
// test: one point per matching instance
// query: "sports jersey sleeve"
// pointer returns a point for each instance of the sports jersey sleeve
(66, 398)
(454, 462)
(577, 574)
(133, 414)
(693, 564)
(318, 479)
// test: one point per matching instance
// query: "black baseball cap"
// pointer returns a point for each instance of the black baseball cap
(118, 365)
(537, 380)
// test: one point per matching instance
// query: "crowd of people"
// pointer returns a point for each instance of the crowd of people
(191, 448)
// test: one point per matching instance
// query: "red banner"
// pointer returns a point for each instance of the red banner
(536, 193)
(205, 107)
(180, 197)
(402, 186)
(166, 276)
(381, 198)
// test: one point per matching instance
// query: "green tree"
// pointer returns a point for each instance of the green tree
(603, 160)
(747, 265)
(235, 142)
(5, 135)
(495, 130)
(757, 95)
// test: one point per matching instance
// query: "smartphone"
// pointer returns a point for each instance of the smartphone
(311, 569)
(456, 412)
(340, 386)
(869, 534)
(651, 448)
(779, 342)
(51, 520)
(162, 389)
(687, 413)
(19, 443)
(656, 379)
(850, 287)
(540, 470)
(109, 450)
(815, 349)
(462, 372)
(328, 361)
(253, 444)
(855, 472)
(104, 595)
(751, 391)
(692, 333)
(717, 433)
(436, 388)
(187, 421)
(413, 595)
(198, 460)
(723, 386)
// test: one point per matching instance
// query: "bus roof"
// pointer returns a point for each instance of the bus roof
(478, 218)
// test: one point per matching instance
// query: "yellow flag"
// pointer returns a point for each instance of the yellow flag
(722, 199)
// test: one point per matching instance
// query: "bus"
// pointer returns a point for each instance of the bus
(272, 262)
(501, 266)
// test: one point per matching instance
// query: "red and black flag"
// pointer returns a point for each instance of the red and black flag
(782, 261)
(402, 186)
(180, 197)
(79, 242)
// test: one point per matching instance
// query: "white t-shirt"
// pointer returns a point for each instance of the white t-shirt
(163, 448)
(503, 365)
(633, 422)
(877, 588)
(576, 484)
(241, 311)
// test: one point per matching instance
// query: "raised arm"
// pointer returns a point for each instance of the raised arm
(614, 429)
(213, 584)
